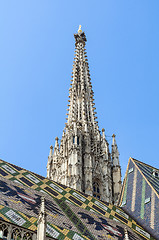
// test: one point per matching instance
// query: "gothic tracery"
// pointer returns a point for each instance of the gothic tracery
(84, 153)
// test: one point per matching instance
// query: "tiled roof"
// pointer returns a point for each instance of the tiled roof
(140, 196)
(70, 214)
(151, 174)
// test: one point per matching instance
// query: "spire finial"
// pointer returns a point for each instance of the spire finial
(79, 29)
(51, 147)
(56, 139)
(113, 136)
(103, 131)
(56, 148)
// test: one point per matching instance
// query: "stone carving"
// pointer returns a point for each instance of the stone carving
(83, 154)
(9, 231)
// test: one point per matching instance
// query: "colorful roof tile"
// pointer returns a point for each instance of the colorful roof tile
(150, 173)
(140, 195)
(70, 214)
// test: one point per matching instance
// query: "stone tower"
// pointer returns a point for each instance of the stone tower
(83, 161)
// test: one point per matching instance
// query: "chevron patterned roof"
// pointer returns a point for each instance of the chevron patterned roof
(70, 214)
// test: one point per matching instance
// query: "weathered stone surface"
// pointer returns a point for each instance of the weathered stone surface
(83, 158)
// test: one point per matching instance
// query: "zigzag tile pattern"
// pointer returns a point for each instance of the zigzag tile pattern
(70, 214)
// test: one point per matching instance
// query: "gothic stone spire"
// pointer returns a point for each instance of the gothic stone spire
(81, 106)
(83, 160)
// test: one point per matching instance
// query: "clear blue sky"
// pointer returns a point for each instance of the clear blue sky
(36, 57)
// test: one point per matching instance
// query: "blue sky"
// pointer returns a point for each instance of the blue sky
(36, 57)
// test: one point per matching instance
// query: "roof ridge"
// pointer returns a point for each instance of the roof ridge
(145, 164)
(62, 185)
(22, 168)
(99, 207)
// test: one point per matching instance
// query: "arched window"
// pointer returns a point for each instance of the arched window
(96, 190)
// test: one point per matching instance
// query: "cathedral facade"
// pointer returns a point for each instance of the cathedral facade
(83, 160)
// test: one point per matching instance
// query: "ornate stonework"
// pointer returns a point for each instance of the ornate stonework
(83, 161)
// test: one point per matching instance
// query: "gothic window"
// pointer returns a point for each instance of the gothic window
(96, 190)
(78, 140)
(73, 139)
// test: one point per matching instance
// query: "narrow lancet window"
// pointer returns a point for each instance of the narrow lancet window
(96, 190)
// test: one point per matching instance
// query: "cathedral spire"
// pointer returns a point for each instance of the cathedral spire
(81, 105)
(83, 160)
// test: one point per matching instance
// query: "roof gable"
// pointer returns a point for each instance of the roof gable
(150, 173)
(139, 196)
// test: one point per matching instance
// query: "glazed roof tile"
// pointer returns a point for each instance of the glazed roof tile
(70, 213)
(151, 174)
(140, 196)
